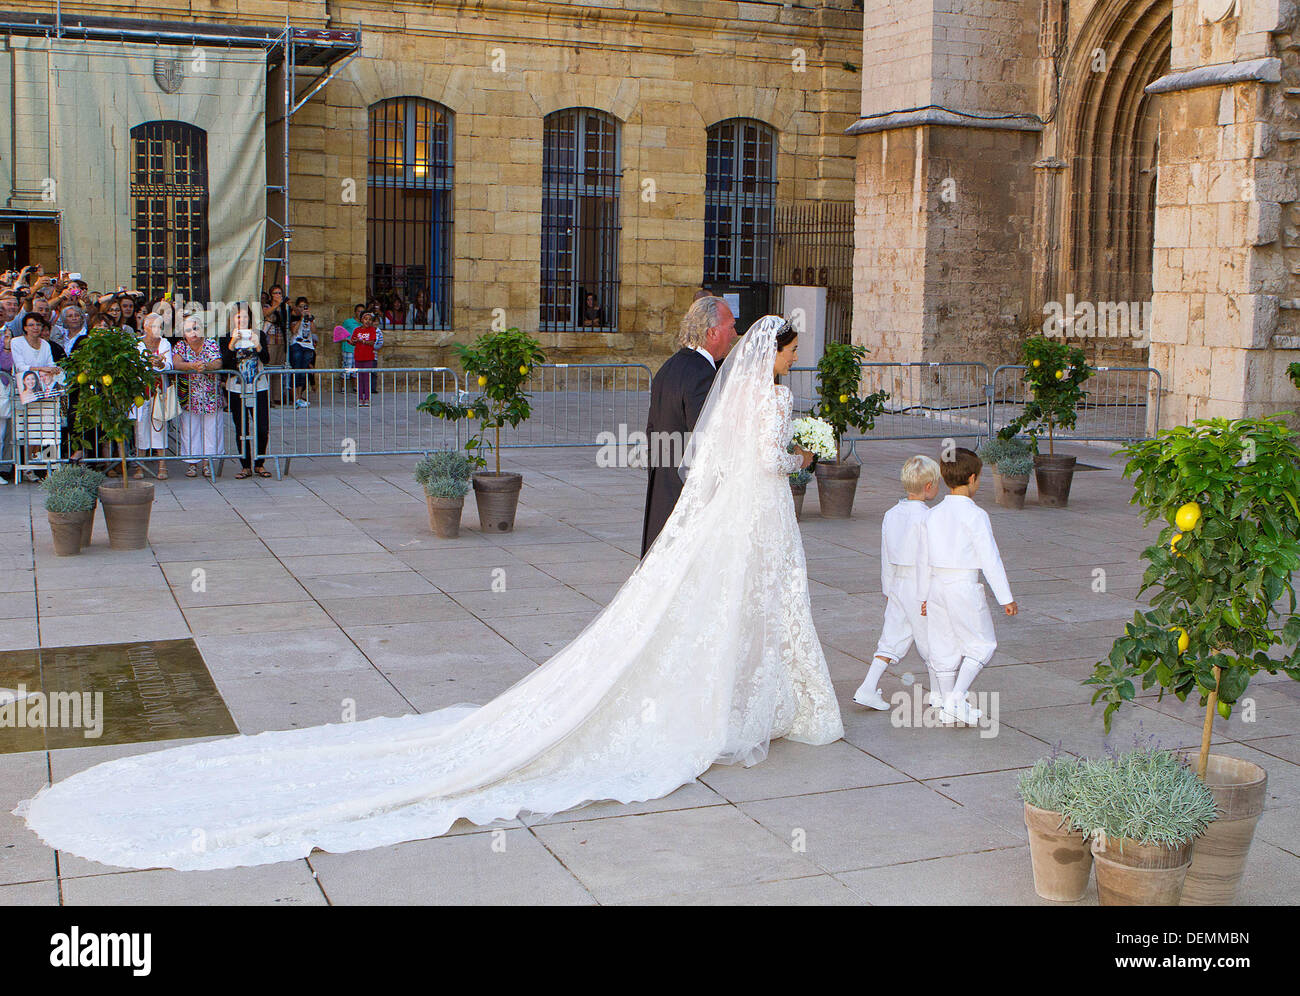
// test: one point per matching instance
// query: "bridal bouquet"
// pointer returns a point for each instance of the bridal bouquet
(815, 434)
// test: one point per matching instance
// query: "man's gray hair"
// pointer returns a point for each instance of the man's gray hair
(699, 318)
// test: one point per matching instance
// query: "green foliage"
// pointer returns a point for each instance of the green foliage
(839, 375)
(801, 476)
(1019, 465)
(1149, 796)
(101, 407)
(1050, 783)
(1012, 457)
(1230, 572)
(503, 361)
(87, 476)
(445, 474)
(1293, 371)
(1054, 372)
(67, 494)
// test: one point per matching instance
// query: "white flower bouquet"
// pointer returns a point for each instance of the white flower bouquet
(816, 435)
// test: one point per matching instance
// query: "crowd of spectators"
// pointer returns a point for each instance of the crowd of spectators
(45, 317)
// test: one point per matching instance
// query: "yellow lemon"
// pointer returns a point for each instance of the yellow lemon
(1038, 363)
(482, 381)
(1060, 374)
(1188, 516)
(1173, 544)
(83, 378)
(139, 400)
(107, 380)
(1184, 641)
(843, 398)
(523, 371)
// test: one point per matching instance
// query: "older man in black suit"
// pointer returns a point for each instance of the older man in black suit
(677, 395)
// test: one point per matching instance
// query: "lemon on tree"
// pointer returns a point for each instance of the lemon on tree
(107, 380)
(83, 378)
(1188, 516)
(482, 381)
(1173, 544)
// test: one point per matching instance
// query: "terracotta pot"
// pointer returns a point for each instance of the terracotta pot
(65, 527)
(1133, 874)
(1009, 489)
(88, 525)
(837, 483)
(126, 513)
(444, 515)
(497, 496)
(798, 491)
(1054, 475)
(1219, 855)
(1061, 857)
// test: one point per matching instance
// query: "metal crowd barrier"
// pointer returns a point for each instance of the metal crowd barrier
(336, 423)
(1122, 403)
(573, 403)
(926, 400)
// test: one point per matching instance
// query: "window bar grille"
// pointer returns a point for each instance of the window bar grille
(409, 215)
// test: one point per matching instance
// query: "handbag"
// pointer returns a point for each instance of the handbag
(165, 405)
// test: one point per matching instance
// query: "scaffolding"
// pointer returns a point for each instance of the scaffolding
(299, 62)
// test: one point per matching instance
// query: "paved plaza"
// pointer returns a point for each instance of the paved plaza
(328, 588)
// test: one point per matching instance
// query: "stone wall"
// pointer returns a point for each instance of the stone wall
(665, 71)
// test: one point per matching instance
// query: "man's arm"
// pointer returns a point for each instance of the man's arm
(697, 391)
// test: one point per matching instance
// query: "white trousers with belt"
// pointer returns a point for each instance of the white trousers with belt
(959, 622)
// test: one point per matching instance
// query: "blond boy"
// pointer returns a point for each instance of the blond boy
(902, 576)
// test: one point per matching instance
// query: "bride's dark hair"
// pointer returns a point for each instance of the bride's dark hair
(785, 335)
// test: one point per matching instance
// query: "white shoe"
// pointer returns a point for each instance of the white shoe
(302, 404)
(960, 711)
(871, 698)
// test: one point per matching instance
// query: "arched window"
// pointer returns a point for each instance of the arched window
(739, 202)
(169, 209)
(581, 177)
(409, 214)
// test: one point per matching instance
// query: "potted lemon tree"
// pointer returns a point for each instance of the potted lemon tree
(1228, 492)
(1055, 373)
(839, 379)
(114, 377)
(499, 363)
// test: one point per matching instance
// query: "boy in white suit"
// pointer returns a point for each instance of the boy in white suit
(903, 579)
(960, 545)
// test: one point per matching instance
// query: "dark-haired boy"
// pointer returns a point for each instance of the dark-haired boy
(960, 627)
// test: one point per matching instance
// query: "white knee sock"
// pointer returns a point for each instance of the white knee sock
(947, 681)
(878, 665)
(970, 668)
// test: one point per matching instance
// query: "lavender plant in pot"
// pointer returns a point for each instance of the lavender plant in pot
(67, 504)
(445, 477)
(1142, 811)
(1060, 855)
(1012, 461)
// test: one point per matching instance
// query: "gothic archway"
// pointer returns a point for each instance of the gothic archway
(1109, 131)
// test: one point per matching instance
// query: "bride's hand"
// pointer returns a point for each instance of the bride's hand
(806, 454)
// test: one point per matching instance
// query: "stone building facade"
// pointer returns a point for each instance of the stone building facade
(660, 74)
(1130, 162)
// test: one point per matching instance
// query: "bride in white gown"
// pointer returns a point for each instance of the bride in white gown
(706, 654)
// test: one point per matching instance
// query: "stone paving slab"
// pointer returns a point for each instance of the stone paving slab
(326, 591)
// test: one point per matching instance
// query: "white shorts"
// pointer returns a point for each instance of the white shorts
(903, 624)
(959, 622)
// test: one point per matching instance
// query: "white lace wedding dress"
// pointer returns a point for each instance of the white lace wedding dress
(703, 656)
